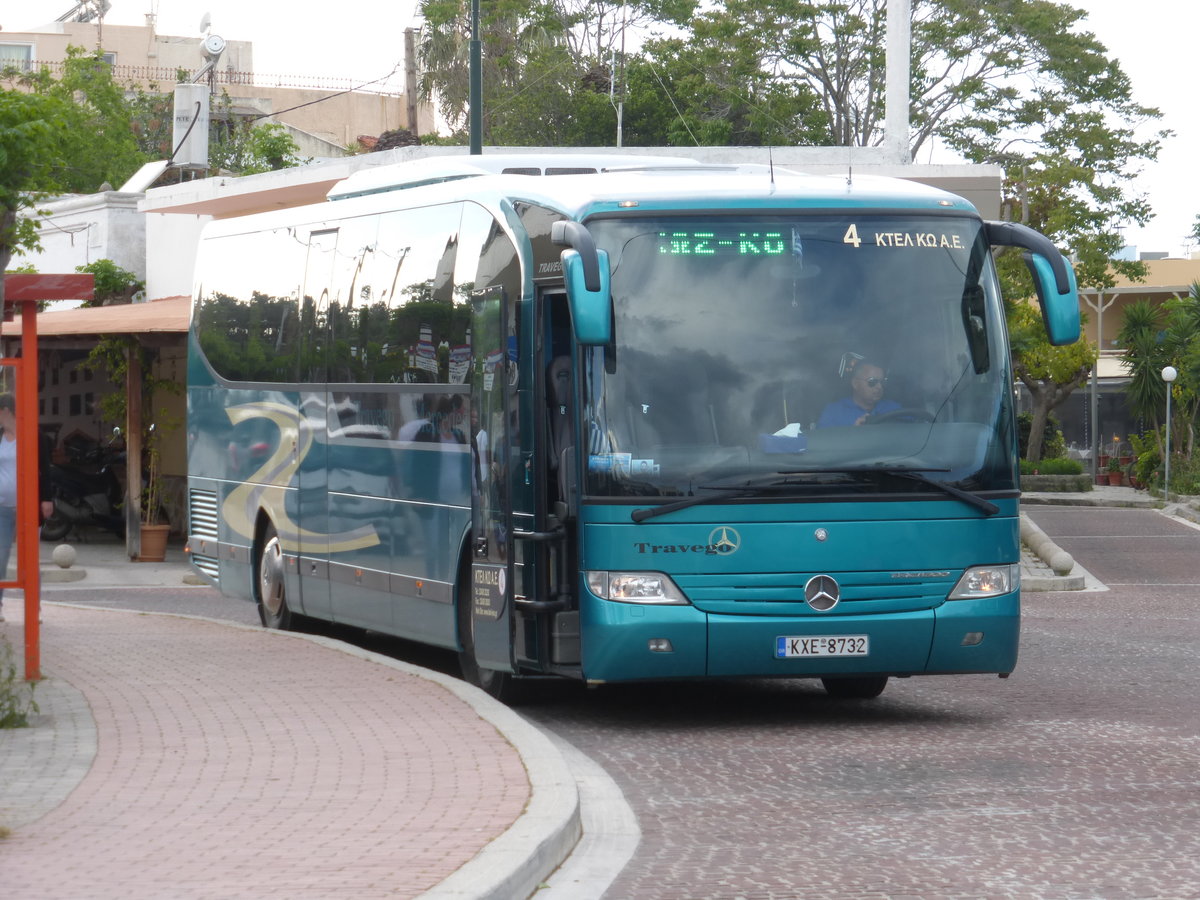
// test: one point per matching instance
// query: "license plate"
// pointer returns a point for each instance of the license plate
(822, 645)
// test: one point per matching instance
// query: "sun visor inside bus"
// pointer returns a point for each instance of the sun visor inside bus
(591, 308)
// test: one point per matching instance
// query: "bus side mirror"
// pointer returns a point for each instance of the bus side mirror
(1053, 277)
(591, 310)
(1060, 311)
(585, 270)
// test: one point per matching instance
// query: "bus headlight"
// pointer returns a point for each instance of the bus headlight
(987, 581)
(636, 587)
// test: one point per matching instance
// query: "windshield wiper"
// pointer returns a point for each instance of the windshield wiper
(918, 475)
(783, 485)
(749, 489)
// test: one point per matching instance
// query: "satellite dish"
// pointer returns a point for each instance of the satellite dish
(213, 47)
(205, 22)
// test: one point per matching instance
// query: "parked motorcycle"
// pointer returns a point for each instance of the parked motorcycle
(87, 491)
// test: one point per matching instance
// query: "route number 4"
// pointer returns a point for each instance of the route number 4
(851, 237)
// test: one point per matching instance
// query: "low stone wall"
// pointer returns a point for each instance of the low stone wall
(1057, 483)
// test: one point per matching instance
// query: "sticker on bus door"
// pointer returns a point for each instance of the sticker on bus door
(489, 616)
(489, 585)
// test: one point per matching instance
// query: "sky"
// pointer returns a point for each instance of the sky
(362, 40)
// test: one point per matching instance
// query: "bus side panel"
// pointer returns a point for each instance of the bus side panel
(977, 635)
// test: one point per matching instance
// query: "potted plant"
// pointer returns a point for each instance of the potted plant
(1114, 470)
(154, 531)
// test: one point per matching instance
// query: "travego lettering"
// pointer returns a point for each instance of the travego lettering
(707, 549)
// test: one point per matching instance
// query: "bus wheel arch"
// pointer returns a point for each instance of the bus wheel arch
(270, 582)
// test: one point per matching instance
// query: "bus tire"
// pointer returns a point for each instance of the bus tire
(865, 687)
(270, 590)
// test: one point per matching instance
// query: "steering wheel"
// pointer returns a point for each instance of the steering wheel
(907, 413)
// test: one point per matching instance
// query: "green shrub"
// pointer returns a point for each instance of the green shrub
(1147, 465)
(1055, 466)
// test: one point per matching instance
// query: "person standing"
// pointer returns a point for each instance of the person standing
(8, 486)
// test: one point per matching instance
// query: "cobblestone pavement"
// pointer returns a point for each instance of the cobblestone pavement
(271, 767)
(1075, 778)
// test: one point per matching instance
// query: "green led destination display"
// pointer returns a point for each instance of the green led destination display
(722, 243)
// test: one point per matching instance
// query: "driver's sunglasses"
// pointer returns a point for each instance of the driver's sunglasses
(875, 382)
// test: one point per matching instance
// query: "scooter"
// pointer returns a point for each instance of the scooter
(87, 492)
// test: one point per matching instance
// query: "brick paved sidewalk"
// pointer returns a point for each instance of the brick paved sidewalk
(235, 762)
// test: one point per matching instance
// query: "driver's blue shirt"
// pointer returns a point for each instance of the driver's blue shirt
(847, 412)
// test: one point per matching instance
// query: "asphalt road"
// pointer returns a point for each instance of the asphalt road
(1074, 778)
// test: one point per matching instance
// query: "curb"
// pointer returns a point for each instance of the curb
(1057, 561)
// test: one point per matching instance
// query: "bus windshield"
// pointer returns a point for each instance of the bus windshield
(826, 347)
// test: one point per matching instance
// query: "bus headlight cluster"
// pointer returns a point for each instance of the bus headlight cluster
(636, 587)
(987, 581)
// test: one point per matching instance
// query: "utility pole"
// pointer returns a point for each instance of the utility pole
(476, 91)
(410, 79)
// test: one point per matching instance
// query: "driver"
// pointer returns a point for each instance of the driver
(865, 400)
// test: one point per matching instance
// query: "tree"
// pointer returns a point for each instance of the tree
(98, 145)
(1155, 337)
(30, 156)
(1050, 373)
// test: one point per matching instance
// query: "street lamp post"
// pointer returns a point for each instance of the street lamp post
(1168, 375)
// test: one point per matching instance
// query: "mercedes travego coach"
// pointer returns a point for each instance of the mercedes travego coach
(613, 419)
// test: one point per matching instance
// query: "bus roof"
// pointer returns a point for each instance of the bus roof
(583, 185)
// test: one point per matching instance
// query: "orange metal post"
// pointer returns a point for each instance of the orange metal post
(25, 291)
(28, 463)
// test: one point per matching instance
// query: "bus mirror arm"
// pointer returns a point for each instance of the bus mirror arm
(1053, 277)
(1014, 234)
(566, 233)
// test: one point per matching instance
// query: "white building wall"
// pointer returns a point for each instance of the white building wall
(82, 229)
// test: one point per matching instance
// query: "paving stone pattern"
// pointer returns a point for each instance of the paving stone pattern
(1075, 778)
(331, 775)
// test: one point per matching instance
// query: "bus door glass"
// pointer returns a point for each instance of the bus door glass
(495, 447)
(312, 511)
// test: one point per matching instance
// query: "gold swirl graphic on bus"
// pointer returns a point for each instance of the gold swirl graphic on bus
(265, 488)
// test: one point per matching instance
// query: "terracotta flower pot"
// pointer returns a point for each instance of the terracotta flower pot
(154, 543)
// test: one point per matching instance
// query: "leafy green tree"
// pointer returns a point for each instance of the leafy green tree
(97, 143)
(111, 283)
(30, 157)
(1050, 373)
(247, 149)
(1158, 336)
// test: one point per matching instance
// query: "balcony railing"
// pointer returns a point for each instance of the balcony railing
(162, 76)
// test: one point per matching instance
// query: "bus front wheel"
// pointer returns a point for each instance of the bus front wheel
(270, 588)
(864, 688)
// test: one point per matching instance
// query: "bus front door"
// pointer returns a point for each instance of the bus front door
(495, 452)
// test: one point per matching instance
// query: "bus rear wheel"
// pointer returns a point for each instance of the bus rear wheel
(863, 688)
(269, 585)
